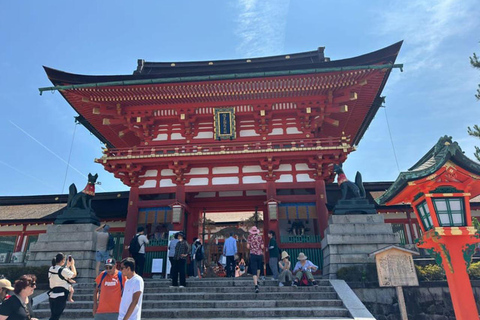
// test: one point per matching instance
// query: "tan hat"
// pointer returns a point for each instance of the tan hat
(4, 283)
(302, 256)
(284, 255)
(254, 230)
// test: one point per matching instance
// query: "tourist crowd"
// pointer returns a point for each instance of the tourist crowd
(118, 294)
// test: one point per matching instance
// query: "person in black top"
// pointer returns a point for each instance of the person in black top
(273, 252)
(179, 261)
(19, 305)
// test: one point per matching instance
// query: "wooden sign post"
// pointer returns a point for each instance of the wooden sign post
(395, 268)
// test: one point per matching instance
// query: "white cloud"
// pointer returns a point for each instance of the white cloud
(261, 27)
(425, 25)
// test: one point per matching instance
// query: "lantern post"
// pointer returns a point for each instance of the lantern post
(439, 187)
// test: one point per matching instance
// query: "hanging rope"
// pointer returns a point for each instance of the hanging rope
(69, 156)
(391, 140)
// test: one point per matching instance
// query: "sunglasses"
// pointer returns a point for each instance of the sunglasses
(33, 284)
(109, 267)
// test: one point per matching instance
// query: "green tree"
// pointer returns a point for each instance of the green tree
(475, 132)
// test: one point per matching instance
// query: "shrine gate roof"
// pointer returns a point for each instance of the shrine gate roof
(445, 150)
(278, 79)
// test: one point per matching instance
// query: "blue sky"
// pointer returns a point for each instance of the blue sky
(434, 95)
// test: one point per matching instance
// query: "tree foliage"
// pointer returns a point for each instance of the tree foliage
(475, 132)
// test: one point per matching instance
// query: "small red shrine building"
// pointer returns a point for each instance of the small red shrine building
(232, 135)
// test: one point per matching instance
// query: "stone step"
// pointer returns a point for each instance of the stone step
(212, 282)
(302, 293)
(273, 318)
(172, 304)
(242, 289)
(211, 313)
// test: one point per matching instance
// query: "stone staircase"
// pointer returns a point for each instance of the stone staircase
(217, 298)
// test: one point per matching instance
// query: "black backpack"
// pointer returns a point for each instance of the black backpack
(199, 253)
(111, 242)
(134, 245)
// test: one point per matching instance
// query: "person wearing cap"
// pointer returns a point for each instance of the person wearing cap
(304, 268)
(179, 261)
(286, 275)
(108, 292)
(102, 253)
(5, 288)
(256, 246)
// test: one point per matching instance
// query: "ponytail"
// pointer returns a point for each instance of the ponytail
(58, 258)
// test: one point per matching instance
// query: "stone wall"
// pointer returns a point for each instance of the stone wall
(429, 301)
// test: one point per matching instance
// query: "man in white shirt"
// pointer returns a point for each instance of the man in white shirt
(140, 256)
(131, 303)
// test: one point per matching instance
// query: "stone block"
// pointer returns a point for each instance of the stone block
(357, 218)
(386, 239)
(64, 246)
(359, 228)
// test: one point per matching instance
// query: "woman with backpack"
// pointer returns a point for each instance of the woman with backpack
(198, 256)
(59, 277)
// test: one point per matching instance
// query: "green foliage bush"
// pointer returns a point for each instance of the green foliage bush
(13, 273)
(430, 272)
(474, 271)
(365, 273)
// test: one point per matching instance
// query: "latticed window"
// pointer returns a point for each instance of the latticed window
(450, 211)
(298, 223)
(157, 222)
(7, 244)
(399, 228)
(425, 215)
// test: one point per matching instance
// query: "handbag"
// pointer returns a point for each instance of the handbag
(223, 260)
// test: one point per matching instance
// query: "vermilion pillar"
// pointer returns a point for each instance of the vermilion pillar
(453, 245)
(320, 205)
(132, 219)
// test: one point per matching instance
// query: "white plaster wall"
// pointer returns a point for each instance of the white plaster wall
(248, 133)
(149, 184)
(221, 170)
(285, 178)
(150, 173)
(197, 182)
(304, 178)
(225, 180)
(161, 137)
(249, 169)
(196, 171)
(167, 172)
(253, 179)
(285, 167)
(204, 135)
(166, 183)
(302, 166)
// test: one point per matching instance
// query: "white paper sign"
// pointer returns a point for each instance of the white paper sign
(157, 265)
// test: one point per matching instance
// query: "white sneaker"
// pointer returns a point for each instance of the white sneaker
(280, 284)
(181, 286)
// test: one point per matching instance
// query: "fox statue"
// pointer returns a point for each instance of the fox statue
(356, 189)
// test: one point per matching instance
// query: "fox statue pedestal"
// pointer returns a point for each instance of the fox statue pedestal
(350, 238)
(73, 233)
(77, 240)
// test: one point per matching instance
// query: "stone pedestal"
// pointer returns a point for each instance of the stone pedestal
(349, 239)
(77, 240)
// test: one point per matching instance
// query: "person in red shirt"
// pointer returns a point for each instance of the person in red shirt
(256, 246)
(108, 292)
